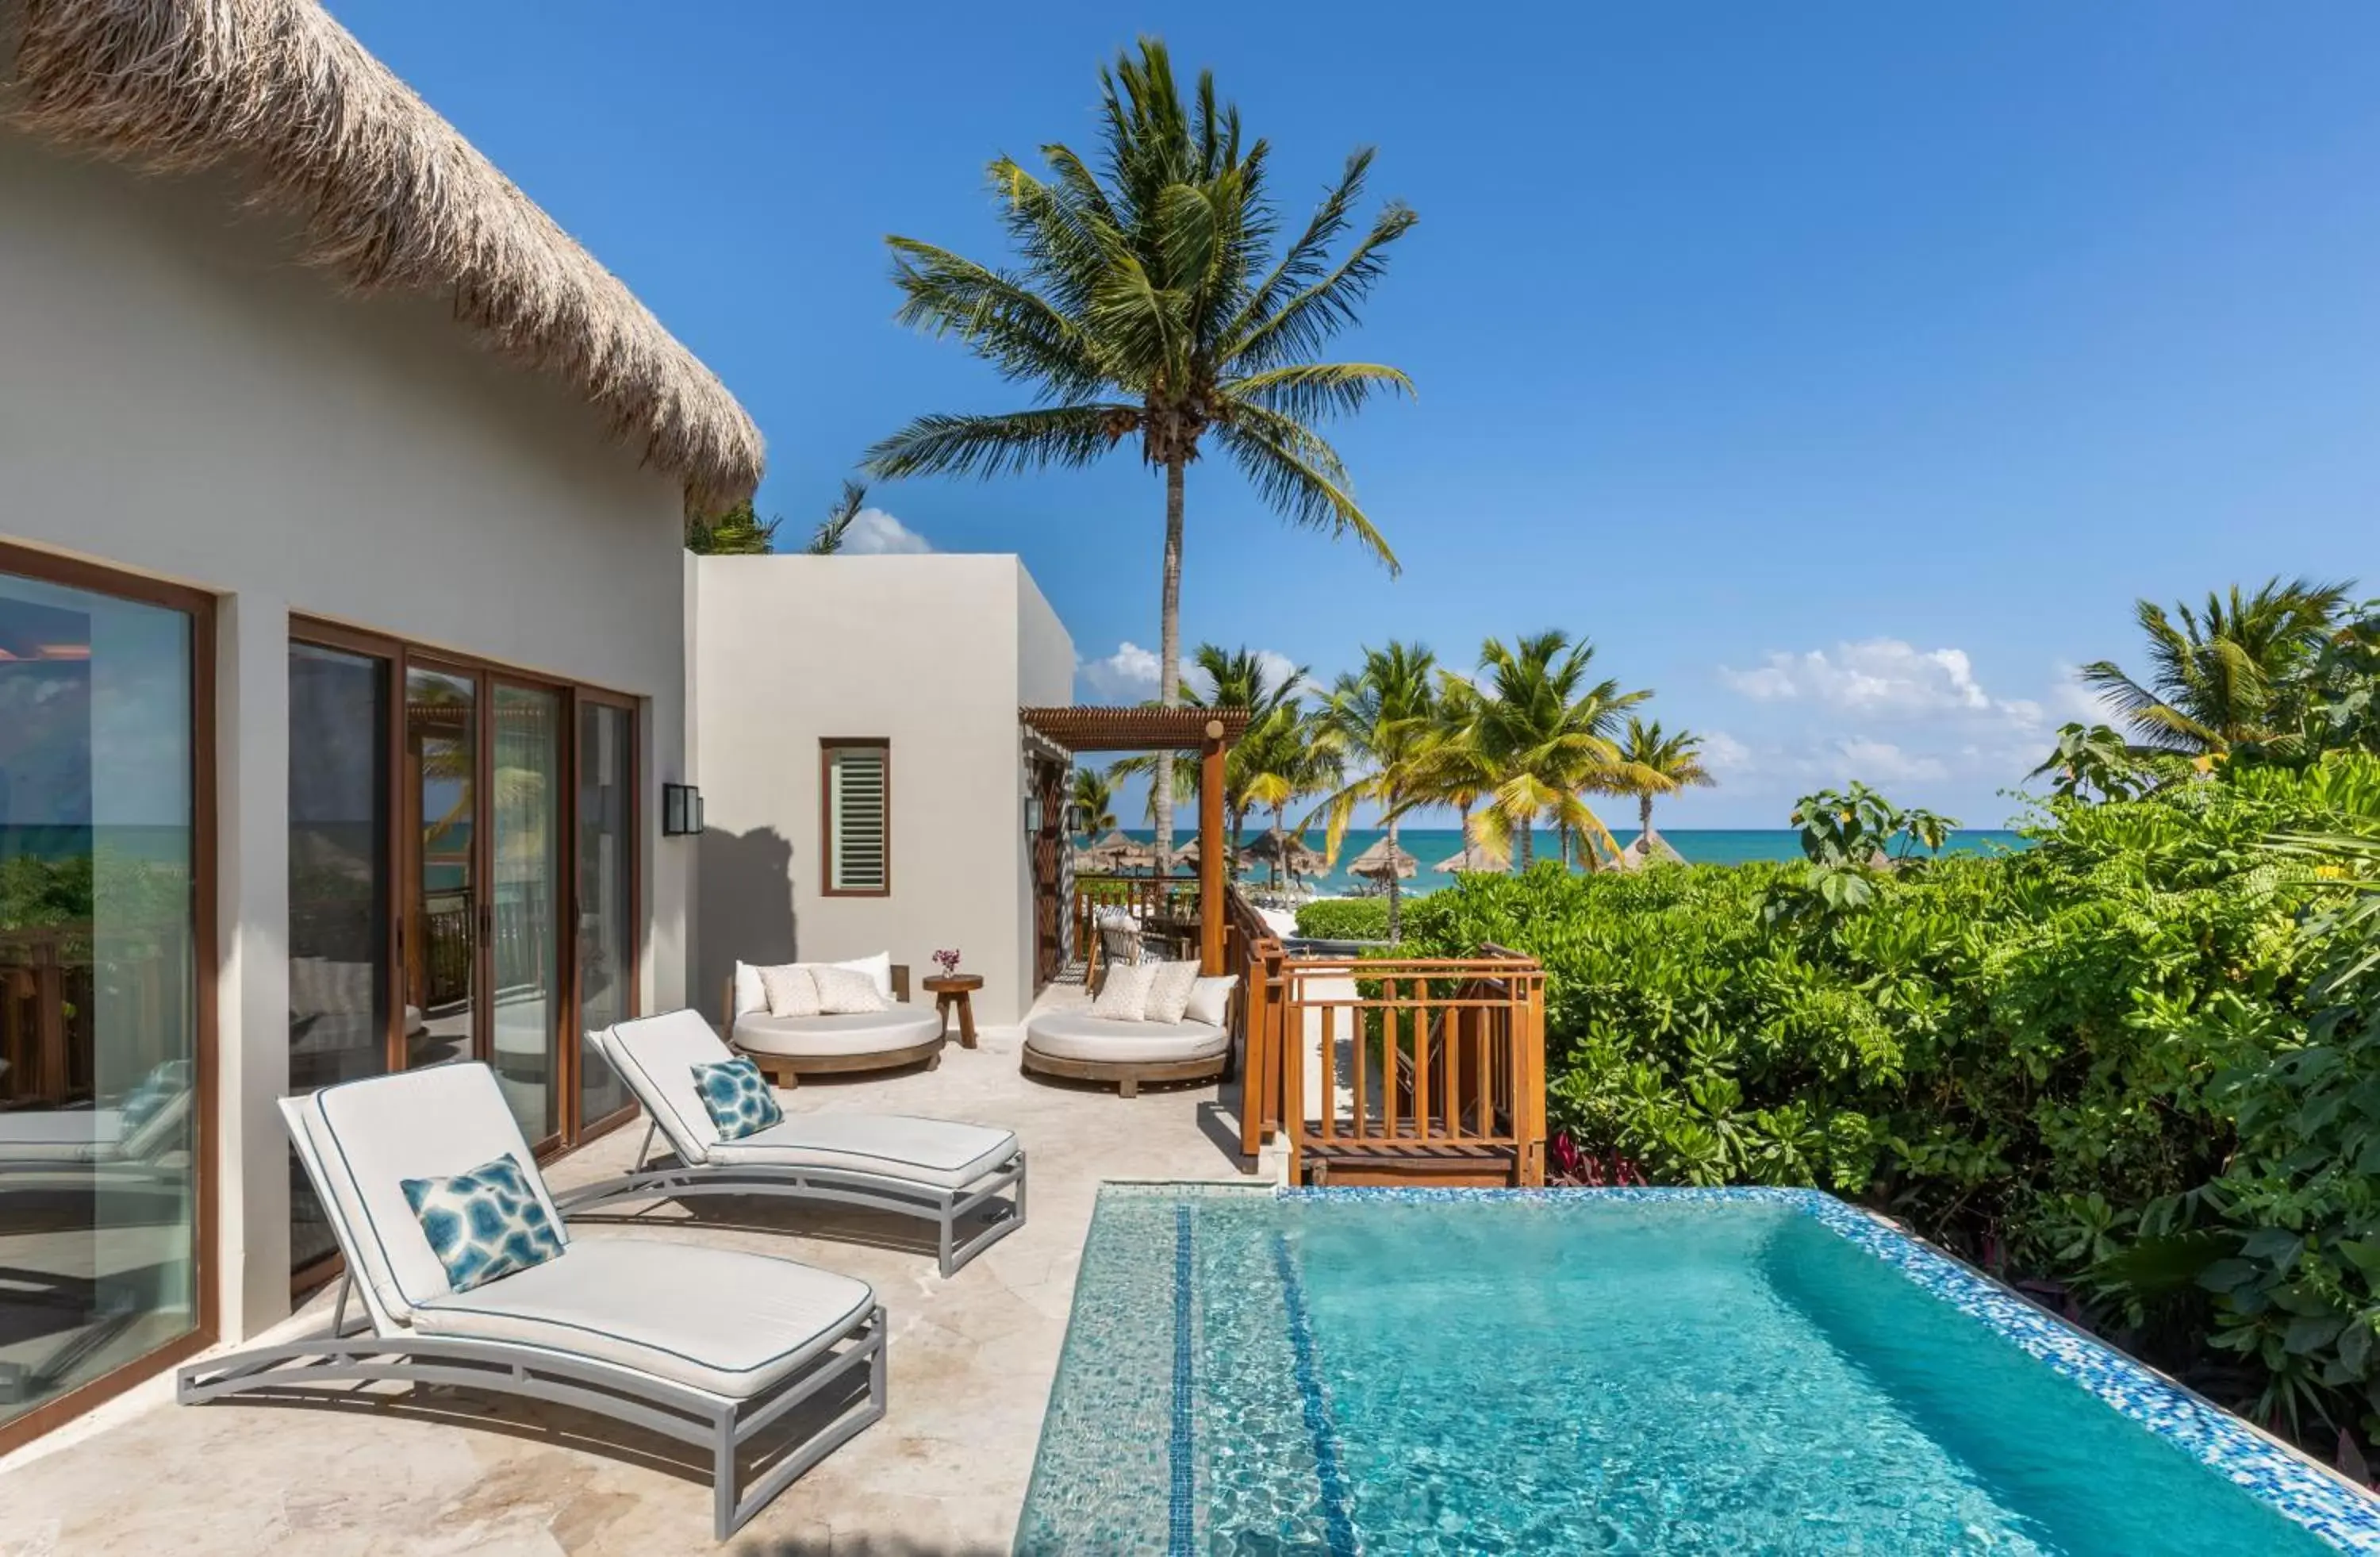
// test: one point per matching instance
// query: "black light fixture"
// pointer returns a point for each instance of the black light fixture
(681, 810)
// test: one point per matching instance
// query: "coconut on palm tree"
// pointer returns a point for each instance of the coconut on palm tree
(2227, 674)
(1384, 716)
(1540, 735)
(1148, 303)
(1653, 762)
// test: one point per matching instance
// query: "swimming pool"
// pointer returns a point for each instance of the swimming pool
(1612, 1372)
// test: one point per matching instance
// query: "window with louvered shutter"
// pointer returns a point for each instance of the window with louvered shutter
(858, 781)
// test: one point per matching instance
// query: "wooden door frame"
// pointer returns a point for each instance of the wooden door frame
(198, 607)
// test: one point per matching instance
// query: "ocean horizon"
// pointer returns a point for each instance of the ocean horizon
(1699, 846)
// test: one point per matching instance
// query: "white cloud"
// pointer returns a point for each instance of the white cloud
(2075, 704)
(1125, 677)
(1861, 758)
(1722, 753)
(874, 532)
(1129, 676)
(1881, 676)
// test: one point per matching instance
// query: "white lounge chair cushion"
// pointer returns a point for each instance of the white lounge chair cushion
(724, 1321)
(371, 1135)
(855, 1032)
(64, 1136)
(1074, 1035)
(898, 1146)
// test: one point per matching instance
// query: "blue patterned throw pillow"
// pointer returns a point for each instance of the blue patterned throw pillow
(483, 1224)
(737, 1096)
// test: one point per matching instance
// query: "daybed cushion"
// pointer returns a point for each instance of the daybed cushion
(856, 1032)
(371, 1135)
(1074, 1035)
(724, 1321)
(898, 1146)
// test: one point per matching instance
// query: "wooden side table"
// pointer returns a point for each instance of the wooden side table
(952, 990)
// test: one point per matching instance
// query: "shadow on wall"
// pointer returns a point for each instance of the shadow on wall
(744, 908)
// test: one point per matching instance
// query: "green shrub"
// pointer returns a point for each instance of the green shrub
(1346, 918)
(2107, 1059)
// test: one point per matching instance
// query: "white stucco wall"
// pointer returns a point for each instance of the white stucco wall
(932, 653)
(177, 399)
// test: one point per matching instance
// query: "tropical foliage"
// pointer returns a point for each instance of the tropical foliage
(1385, 718)
(2229, 673)
(2140, 1058)
(1150, 302)
(1092, 799)
(1539, 737)
(1653, 762)
(738, 532)
(832, 530)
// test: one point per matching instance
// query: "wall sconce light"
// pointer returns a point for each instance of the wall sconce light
(681, 810)
(1077, 819)
(1033, 814)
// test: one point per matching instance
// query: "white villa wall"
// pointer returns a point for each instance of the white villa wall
(178, 400)
(934, 653)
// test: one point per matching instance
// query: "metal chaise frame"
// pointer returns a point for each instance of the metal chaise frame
(365, 1352)
(356, 1352)
(675, 1178)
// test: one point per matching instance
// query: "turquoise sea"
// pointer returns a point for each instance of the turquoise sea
(1700, 846)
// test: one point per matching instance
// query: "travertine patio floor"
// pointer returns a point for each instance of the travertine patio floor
(945, 1472)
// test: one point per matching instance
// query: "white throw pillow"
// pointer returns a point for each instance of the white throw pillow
(1169, 992)
(879, 969)
(1211, 1001)
(1125, 996)
(847, 990)
(749, 996)
(791, 990)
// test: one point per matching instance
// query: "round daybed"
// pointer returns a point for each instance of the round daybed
(787, 1047)
(1086, 1048)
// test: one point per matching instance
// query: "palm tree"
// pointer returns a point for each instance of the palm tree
(1542, 734)
(827, 539)
(2226, 673)
(739, 532)
(1149, 304)
(1386, 718)
(1093, 801)
(1652, 763)
(1236, 678)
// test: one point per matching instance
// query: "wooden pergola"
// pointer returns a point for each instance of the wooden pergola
(1206, 731)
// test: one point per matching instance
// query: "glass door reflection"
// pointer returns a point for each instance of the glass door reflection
(606, 892)
(525, 891)
(441, 901)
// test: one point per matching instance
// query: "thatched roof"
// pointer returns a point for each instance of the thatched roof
(1468, 860)
(392, 197)
(1647, 847)
(1297, 857)
(1382, 859)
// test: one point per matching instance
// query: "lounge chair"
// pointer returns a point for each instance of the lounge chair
(709, 1346)
(937, 1169)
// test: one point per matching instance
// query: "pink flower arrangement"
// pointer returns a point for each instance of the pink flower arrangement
(949, 960)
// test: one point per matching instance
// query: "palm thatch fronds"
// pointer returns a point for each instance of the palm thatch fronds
(1468, 860)
(1383, 861)
(393, 198)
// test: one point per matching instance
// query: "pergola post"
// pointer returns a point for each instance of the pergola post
(1212, 844)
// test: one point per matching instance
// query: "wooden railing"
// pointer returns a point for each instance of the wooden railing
(1425, 1067)
(52, 981)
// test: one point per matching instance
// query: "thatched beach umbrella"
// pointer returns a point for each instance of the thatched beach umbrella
(1469, 860)
(1295, 856)
(1382, 860)
(1120, 851)
(1649, 848)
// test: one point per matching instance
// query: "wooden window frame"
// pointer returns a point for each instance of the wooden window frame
(200, 607)
(828, 747)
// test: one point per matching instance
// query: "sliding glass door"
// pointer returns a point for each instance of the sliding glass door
(463, 881)
(104, 980)
(525, 885)
(341, 926)
(606, 892)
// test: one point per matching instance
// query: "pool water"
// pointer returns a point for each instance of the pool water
(1597, 1374)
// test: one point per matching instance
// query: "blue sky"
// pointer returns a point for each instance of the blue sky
(1843, 372)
